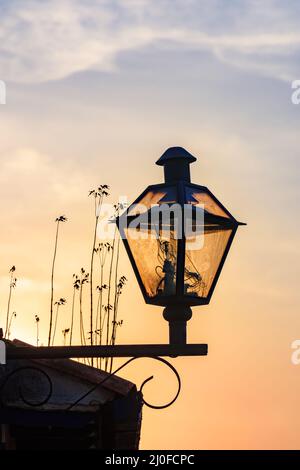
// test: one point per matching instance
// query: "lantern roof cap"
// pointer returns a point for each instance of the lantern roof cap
(175, 153)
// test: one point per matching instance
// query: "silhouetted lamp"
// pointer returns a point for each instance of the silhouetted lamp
(177, 236)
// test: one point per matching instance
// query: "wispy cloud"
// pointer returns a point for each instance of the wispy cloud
(31, 172)
(50, 40)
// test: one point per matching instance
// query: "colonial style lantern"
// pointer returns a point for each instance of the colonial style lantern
(177, 236)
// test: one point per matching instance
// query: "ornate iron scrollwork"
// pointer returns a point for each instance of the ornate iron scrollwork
(156, 407)
(40, 384)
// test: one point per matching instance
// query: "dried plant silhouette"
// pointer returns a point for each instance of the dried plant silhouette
(58, 304)
(115, 323)
(98, 195)
(37, 322)
(102, 250)
(12, 317)
(104, 298)
(84, 279)
(111, 326)
(12, 285)
(65, 333)
(101, 288)
(58, 221)
(76, 287)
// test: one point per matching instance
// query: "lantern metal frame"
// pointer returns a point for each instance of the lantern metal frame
(179, 298)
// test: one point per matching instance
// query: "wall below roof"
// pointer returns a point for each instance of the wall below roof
(104, 419)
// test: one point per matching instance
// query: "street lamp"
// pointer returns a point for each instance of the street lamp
(177, 236)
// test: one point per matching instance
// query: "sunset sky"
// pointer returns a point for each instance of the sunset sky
(96, 92)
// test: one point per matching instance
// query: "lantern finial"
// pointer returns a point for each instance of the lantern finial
(176, 162)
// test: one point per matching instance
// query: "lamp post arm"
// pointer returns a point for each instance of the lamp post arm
(120, 350)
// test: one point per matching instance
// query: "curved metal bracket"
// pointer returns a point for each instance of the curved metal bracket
(156, 407)
(161, 407)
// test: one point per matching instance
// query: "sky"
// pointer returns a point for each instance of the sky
(96, 92)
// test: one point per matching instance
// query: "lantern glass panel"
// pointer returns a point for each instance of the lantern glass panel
(155, 255)
(200, 198)
(204, 252)
(154, 197)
